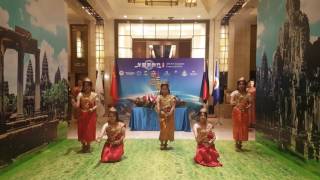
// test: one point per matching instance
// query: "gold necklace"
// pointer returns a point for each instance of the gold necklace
(86, 94)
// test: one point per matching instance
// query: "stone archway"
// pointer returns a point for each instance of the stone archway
(21, 41)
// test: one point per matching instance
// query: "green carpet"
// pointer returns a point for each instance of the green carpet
(144, 160)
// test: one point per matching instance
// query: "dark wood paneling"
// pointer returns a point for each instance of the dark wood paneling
(184, 49)
(253, 49)
(139, 49)
(79, 65)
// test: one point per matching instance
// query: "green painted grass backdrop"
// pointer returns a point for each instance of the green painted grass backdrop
(144, 160)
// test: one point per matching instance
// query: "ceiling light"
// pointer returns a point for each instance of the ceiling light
(155, 2)
(89, 9)
(125, 16)
(233, 11)
(190, 3)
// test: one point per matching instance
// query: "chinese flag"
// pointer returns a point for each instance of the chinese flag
(114, 85)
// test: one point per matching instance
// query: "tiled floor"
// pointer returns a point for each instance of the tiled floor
(223, 131)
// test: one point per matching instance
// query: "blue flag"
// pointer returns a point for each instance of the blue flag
(216, 86)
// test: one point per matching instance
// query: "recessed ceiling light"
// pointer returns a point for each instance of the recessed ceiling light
(125, 16)
(106, 76)
(198, 16)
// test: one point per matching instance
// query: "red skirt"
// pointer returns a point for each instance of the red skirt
(240, 124)
(207, 156)
(87, 126)
(112, 153)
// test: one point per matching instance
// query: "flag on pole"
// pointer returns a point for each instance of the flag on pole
(114, 84)
(216, 86)
(204, 93)
(100, 93)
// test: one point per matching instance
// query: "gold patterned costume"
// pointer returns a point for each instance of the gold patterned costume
(240, 115)
(167, 104)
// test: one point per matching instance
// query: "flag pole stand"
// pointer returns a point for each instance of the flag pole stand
(219, 122)
(216, 94)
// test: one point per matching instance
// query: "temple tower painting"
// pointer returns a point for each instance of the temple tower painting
(294, 88)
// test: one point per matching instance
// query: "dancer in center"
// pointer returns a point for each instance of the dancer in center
(166, 107)
(115, 130)
(206, 153)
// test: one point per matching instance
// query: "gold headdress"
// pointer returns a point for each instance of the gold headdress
(87, 80)
(242, 79)
(112, 109)
(165, 82)
(203, 110)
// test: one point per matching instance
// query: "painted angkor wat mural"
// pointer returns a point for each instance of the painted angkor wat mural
(33, 73)
(288, 74)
